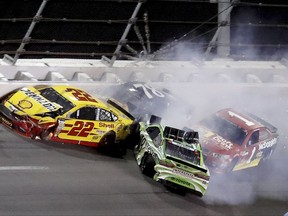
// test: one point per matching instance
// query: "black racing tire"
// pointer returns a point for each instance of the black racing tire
(177, 190)
(108, 140)
(135, 127)
(147, 165)
(110, 147)
(134, 137)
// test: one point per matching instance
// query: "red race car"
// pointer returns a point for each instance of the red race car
(232, 140)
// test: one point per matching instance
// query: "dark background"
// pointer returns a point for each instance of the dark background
(90, 29)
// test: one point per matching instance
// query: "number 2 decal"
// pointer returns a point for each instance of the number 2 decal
(147, 89)
(81, 129)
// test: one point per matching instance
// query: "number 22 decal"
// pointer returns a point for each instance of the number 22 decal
(81, 95)
(81, 129)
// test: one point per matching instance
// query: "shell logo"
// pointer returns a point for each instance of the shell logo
(25, 104)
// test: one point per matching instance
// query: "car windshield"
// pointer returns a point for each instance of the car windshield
(180, 152)
(225, 128)
(53, 96)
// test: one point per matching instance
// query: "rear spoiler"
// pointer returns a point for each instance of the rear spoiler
(272, 128)
(120, 109)
(181, 135)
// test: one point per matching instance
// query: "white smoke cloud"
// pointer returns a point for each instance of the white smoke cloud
(244, 186)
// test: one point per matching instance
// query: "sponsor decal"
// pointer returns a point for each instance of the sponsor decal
(267, 144)
(148, 90)
(95, 137)
(106, 125)
(45, 103)
(6, 122)
(101, 132)
(180, 181)
(25, 104)
(81, 129)
(183, 173)
(226, 144)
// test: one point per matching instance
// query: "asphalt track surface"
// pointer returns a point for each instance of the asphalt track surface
(39, 178)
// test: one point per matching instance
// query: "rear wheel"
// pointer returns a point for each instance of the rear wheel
(178, 190)
(108, 140)
(147, 165)
(109, 145)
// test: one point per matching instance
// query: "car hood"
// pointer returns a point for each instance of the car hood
(29, 101)
(214, 142)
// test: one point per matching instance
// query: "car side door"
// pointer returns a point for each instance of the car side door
(250, 153)
(81, 125)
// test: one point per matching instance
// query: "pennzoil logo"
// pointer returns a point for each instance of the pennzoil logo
(45, 103)
(25, 104)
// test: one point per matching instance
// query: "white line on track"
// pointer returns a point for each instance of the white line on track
(19, 168)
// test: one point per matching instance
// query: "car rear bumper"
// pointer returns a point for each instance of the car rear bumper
(180, 179)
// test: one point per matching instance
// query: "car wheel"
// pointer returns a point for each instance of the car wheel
(134, 137)
(137, 148)
(176, 190)
(108, 139)
(109, 145)
(147, 165)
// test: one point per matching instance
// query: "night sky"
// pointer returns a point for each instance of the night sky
(90, 29)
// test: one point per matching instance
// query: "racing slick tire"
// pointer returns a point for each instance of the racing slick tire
(108, 139)
(147, 165)
(134, 137)
(109, 145)
(177, 190)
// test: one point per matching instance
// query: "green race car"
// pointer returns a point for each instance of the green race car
(172, 157)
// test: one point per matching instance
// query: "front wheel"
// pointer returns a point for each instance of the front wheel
(147, 165)
(134, 136)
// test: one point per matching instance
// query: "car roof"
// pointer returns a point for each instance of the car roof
(239, 118)
(61, 89)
